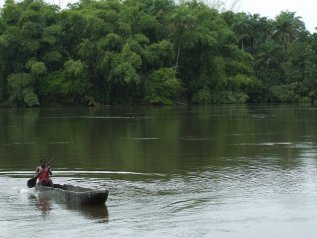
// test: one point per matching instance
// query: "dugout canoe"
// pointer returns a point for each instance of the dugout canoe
(73, 194)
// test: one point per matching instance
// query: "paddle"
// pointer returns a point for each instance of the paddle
(32, 182)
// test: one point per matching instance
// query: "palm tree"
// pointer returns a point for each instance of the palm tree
(270, 54)
(251, 28)
(255, 23)
(242, 28)
(287, 27)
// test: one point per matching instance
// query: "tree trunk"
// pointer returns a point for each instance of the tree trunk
(178, 53)
(284, 41)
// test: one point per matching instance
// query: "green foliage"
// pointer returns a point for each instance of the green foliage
(21, 90)
(162, 86)
(51, 34)
(52, 57)
(153, 51)
(288, 27)
(110, 42)
(30, 98)
(285, 93)
(75, 83)
(206, 96)
(301, 69)
(50, 88)
(11, 13)
(37, 68)
(67, 86)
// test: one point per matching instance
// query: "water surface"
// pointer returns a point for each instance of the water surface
(217, 171)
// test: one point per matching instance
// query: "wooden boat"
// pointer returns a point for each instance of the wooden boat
(73, 194)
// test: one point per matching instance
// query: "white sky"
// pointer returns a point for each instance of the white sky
(307, 9)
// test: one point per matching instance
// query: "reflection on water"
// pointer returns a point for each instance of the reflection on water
(44, 204)
(153, 140)
(221, 171)
(98, 212)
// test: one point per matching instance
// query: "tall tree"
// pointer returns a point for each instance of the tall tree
(181, 21)
(242, 28)
(287, 27)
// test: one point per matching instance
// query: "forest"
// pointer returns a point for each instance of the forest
(151, 52)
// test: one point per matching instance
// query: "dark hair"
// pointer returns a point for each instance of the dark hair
(42, 161)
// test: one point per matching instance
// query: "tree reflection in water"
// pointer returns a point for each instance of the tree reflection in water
(97, 212)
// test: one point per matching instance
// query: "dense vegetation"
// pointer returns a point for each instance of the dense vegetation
(151, 52)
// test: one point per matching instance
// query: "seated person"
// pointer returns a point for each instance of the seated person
(44, 174)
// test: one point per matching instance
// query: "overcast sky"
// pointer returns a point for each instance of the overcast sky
(307, 9)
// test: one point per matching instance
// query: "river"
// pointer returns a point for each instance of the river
(202, 171)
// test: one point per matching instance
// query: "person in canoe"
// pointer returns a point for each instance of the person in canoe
(44, 177)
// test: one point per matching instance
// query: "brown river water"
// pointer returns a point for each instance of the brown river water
(219, 171)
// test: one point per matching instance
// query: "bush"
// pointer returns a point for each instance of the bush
(162, 87)
(21, 91)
